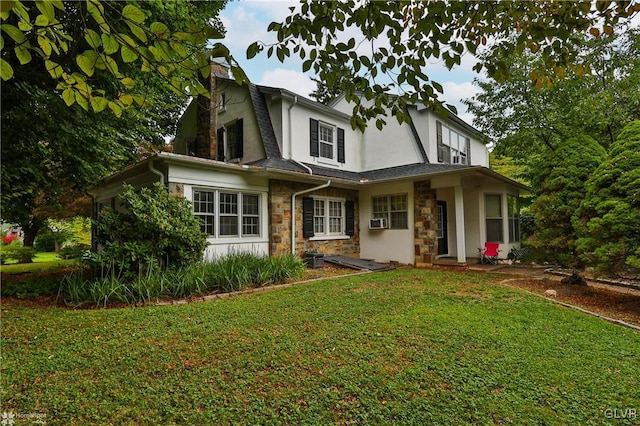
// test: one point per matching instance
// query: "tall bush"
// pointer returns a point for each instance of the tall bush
(608, 220)
(559, 182)
(151, 227)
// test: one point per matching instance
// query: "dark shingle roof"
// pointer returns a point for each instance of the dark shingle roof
(399, 172)
(271, 147)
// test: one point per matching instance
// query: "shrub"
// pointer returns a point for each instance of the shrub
(608, 218)
(16, 251)
(154, 227)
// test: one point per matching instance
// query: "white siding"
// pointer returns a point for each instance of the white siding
(386, 244)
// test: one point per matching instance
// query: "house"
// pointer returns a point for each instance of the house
(272, 172)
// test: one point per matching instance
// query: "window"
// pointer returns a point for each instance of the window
(228, 214)
(394, 208)
(222, 105)
(513, 214)
(238, 214)
(493, 217)
(328, 216)
(325, 137)
(326, 141)
(230, 141)
(250, 215)
(204, 208)
(453, 147)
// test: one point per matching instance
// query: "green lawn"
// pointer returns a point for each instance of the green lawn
(401, 347)
(41, 262)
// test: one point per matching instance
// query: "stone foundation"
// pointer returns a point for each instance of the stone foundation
(426, 224)
(280, 211)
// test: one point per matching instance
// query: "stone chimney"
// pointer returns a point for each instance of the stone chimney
(207, 112)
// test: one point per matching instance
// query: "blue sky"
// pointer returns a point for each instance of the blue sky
(247, 21)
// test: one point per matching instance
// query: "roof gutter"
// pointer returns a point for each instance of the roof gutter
(293, 212)
(156, 171)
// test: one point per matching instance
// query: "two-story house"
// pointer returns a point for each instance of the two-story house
(272, 172)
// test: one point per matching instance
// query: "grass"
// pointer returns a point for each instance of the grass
(403, 347)
(41, 262)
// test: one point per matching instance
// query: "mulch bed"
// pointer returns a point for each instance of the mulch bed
(618, 304)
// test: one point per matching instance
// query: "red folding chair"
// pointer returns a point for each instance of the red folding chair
(490, 253)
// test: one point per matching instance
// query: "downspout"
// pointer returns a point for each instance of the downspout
(293, 212)
(295, 101)
(156, 171)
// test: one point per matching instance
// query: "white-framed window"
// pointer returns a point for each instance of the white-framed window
(453, 147)
(394, 208)
(513, 214)
(227, 213)
(493, 217)
(328, 216)
(326, 139)
(222, 104)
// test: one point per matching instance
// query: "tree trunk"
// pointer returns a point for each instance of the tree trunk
(30, 231)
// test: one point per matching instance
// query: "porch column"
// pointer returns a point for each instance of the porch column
(460, 234)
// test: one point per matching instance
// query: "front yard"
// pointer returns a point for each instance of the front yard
(404, 347)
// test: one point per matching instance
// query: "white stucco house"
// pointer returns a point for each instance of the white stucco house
(272, 172)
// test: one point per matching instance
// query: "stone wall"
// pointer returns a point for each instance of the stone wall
(426, 223)
(280, 220)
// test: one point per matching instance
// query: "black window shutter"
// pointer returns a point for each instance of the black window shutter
(220, 144)
(341, 145)
(313, 138)
(350, 219)
(439, 144)
(468, 142)
(239, 139)
(307, 217)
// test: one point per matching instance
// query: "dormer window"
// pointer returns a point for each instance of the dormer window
(453, 147)
(230, 141)
(326, 141)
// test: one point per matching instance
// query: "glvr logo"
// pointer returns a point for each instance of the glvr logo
(626, 413)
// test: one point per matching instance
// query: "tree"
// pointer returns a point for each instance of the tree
(416, 32)
(76, 41)
(524, 120)
(324, 93)
(55, 147)
(559, 183)
(607, 220)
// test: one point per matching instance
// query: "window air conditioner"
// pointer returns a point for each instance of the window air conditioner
(378, 223)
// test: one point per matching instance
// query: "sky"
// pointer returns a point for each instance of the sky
(247, 21)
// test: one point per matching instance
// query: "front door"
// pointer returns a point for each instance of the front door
(443, 240)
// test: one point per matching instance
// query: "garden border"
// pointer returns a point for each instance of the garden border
(568, 305)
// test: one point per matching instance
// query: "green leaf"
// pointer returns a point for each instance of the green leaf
(109, 43)
(6, 72)
(23, 54)
(117, 109)
(45, 45)
(98, 103)
(128, 82)
(82, 101)
(139, 99)
(42, 21)
(92, 38)
(133, 14)
(54, 69)
(126, 99)
(128, 54)
(138, 32)
(46, 8)
(87, 61)
(159, 29)
(68, 96)
(253, 50)
(14, 33)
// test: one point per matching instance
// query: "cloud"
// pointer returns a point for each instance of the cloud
(454, 93)
(291, 80)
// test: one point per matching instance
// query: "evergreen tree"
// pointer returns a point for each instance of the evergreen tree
(608, 219)
(559, 181)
